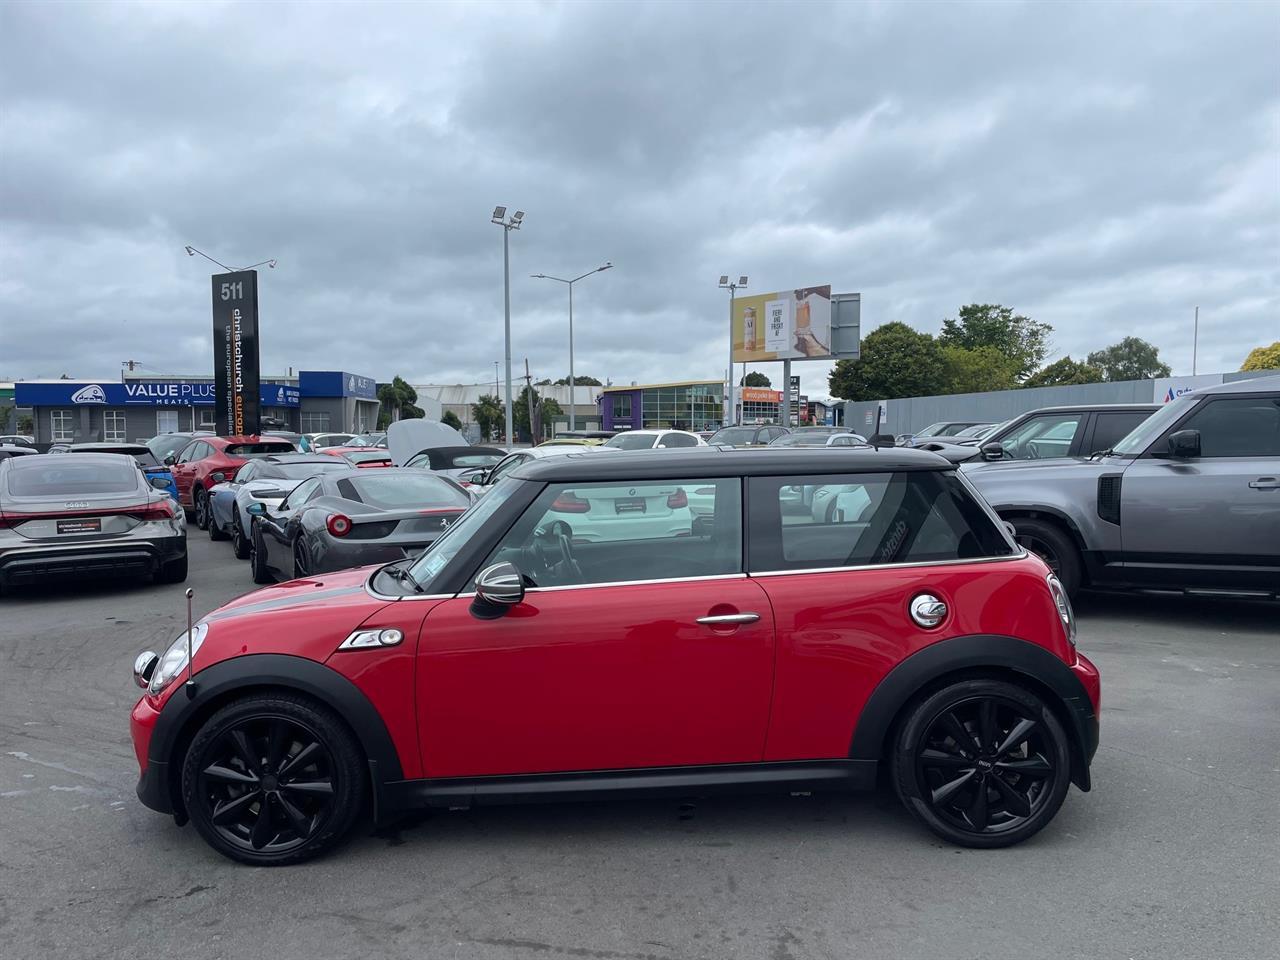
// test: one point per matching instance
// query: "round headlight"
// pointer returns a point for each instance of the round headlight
(174, 660)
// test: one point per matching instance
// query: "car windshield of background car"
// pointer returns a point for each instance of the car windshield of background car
(252, 451)
(429, 564)
(1144, 434)
(58, 478)
(631, 441)
(394, 491)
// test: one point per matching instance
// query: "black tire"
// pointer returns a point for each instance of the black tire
(215, 532)
(301, 559)
(1055, 547)
(273, 779)
(239, 542)
(200, 500)
(257, 567)
(174, 571)
(980, 782)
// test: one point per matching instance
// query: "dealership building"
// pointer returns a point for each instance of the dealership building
(140, 407)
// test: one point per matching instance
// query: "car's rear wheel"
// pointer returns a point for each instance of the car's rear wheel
(1052, 545)
(173, 571)
(982, 763)
(301, 559)
(258, 557)
(273, 779)
(201, 500)
(239, 542)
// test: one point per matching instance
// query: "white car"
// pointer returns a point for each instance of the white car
(481, 480)
(802, 439)
(653, 440)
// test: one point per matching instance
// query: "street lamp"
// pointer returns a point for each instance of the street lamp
(733, 288)
(192, 251)
(608, 265)
(508, 224)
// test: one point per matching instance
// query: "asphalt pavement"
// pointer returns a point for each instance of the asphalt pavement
(1175, 853)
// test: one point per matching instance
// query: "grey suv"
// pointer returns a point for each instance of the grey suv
(1189, 500)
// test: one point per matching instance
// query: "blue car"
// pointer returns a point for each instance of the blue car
(153, 468)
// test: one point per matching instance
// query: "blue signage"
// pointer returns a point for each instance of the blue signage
(336, 383)
(169, 393)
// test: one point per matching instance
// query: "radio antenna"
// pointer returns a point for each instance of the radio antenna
(190, 684)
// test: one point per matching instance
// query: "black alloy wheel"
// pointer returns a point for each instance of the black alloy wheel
(301, 559)
(257, 556)
(273, 779)
(983, 763)
(1048, 542)
(202, 508)
(215, 531)
(239, 542)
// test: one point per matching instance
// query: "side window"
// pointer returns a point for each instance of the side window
(245, 473)
(679, 440)
(506, 466)
(188, 452)
(1239, 427)
(841, 442)
(1042, 437)
(583, 533)
(1110, 428)
(301, 494)
(852, 520)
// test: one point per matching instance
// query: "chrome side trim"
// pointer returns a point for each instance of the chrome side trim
(625, 583)
(1020, 555)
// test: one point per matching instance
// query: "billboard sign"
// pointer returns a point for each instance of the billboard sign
(151, 393)
(761, 395)
(236, 383)
(1168, 389)
(786, 325)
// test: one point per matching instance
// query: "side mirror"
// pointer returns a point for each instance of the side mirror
(498, 588)
(257, 509)
(170, 460)
(160, 483)
(1185, 444)
(993, 450)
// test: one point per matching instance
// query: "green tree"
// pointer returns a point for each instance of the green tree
(5, 411)
(1021, 339)
(545, 410)
(978, 369)
(1130, 359)
(398, 401)
(578, 380)
(896, 361)
(451, 419)
(1063, 372)
(755, 379)
(1263, 358)
(490, 416)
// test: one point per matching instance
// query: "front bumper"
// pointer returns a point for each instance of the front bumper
(23, 563)
(153, 781)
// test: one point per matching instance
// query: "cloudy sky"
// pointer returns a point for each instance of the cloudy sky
(1102, 167)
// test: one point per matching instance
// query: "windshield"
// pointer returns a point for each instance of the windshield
(799, 440)
(398, 491)
(428, 566)
(631, 441)
(818, 431)
(253, 451)
(1145, 433)
(734, 435)
(305, 469)
(979, 430)
(932, 430)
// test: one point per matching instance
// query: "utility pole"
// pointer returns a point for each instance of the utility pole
(513, 223)
(1195, 341)
(733, 290)
(528, 385)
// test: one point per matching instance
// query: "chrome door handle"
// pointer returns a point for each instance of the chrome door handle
(1265, 483)
(729, 619)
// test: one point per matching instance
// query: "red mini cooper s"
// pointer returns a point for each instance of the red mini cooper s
(822, 616)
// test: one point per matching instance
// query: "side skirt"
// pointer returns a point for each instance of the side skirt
(836, 775)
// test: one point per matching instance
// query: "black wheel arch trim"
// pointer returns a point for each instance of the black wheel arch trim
(1010, 512)
(971, 654)
(222, 682)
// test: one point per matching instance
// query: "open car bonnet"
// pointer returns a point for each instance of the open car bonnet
(407, 437)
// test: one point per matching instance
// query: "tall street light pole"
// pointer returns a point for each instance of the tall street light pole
(733, 289)
(507, 224)
(573, 384)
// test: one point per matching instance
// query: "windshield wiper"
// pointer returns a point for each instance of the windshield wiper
(1099, 454)
(404, 576)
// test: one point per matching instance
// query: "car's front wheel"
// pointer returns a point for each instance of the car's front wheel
(201, 500)
(258, 557)
(1054, 546)
(239, 542)
(215, 529)
(273, 779)
(982, 763)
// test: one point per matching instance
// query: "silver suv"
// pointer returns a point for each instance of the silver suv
(1189, 500)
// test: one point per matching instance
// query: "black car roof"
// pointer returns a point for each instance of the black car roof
(717, 462)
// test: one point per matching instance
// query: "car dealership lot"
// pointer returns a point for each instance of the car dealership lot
(1172, 854)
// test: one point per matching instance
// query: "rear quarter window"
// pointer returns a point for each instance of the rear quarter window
(853, 520)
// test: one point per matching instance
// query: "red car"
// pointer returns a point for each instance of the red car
(581, 632)
(209, 460)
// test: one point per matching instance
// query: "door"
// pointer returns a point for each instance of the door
(1043, 436)
(1213, 519)
(184, 469)
(277, 528)
(604, 665)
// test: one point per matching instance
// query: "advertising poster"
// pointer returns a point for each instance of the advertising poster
(235, 353)
(785, 325)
